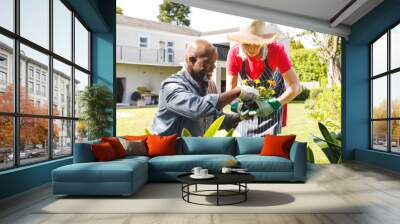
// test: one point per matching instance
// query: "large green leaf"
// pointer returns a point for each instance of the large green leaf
(334, 150)
(186, 133)
(310, 155)
(214, 127)
(230, 132)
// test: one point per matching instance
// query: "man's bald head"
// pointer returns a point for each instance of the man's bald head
(200, 48)
(200, 59)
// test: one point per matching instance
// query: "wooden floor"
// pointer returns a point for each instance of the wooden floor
(378, 189)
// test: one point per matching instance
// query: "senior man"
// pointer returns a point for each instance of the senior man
(184, 101)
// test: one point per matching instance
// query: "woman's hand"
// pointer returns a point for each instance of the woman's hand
(266, 108)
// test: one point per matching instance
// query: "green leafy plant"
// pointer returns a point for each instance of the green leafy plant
(324, 105)
(97, 105)
(330, 144)
(212, 130)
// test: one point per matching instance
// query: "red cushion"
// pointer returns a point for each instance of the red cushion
(103, 152)
(135, 138)
(116, 145)
(277, 145)
(161, 145)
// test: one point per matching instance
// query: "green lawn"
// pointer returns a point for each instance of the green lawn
(134, 121)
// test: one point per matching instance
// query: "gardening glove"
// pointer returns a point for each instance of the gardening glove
(248, 93)
(267, 107)
(244, 113)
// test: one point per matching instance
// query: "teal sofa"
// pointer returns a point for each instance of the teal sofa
(125, 176)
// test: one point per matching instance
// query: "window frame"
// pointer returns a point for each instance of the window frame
(16, 114)
(388, 74)
(139, 41)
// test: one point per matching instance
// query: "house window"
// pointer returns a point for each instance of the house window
(3, 78)
(30, 87)
(170, 51)
(47, 43)
(143, 41)
(385, 96)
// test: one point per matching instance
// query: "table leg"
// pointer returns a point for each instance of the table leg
(196, 187)
(245, 193)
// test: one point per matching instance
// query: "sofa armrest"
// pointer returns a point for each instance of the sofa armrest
(83, 152)
(299, 159)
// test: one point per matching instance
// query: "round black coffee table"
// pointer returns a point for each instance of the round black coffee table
(238, 179)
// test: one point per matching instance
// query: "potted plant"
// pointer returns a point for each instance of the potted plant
(97, 104)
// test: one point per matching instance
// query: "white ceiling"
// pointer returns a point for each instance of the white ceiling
(316, 15)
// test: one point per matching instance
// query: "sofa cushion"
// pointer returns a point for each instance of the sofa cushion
(249, 145)
(116, 145)
(185, 163)
(103, 152)
(161, 145)
(112, 171)
(277, 145)
(257, 163)
(203, 145)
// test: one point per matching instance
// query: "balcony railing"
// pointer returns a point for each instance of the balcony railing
(141, 55)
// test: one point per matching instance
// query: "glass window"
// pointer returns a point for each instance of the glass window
(395, 136)
(379, 98)
(81, 131)
(62, 29)
(81, 45)
(143, 41)
(395, 95)
(81, 82)
(379, 56)
(63, 72)
(40, 62)
(6, 142)
(62, 138)
(33, 139)
(7, 14)
(379, 135)
(395, 47)
(34, 21)
(6, 75)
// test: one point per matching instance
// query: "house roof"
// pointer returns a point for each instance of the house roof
(154, 25)
(326, 16)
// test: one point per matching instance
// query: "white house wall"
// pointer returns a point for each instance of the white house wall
(129, 36)
(143, 75)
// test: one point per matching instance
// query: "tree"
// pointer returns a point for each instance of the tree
(329, 49)
(306, 62)
(33, 131)
(295, 44)
(119, 10)
(170, 12)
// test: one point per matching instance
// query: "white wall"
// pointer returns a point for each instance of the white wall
(129, 36)
(143, 75)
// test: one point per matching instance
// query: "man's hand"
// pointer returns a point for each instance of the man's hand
(243, 113)
(248, 93)
(266, 108)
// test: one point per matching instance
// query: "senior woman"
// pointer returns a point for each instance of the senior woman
(257, 56)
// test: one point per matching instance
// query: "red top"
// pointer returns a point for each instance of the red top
(277, 59)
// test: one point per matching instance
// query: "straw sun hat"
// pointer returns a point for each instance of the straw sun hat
(253, 33)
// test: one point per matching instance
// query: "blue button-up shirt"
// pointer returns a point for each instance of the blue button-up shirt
(184, 104)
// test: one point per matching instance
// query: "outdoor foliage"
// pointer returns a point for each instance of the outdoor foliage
(330, 144)
(97, 103)
(34, 131)
(119, 10)
(170, 12)
(329, 51)
(308, 64)
(213, 130)
(304, 95)
(324, 105)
